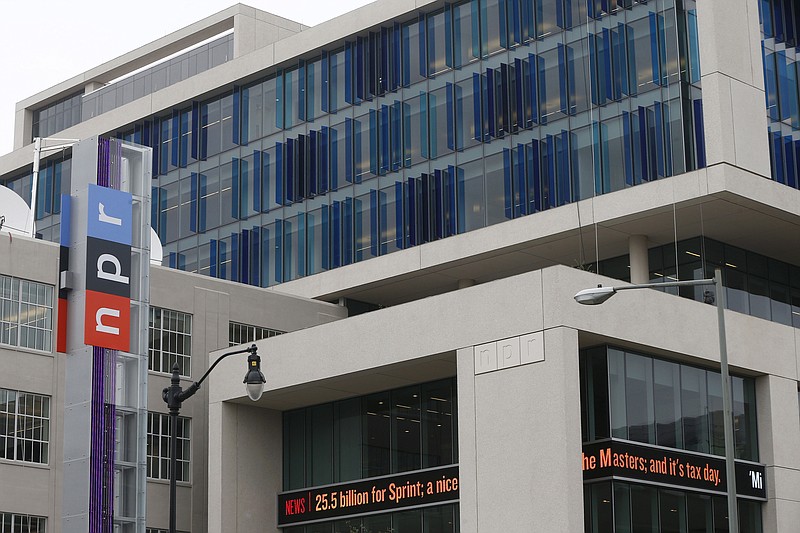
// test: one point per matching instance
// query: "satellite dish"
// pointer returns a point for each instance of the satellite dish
(156, 250)
(14, 212)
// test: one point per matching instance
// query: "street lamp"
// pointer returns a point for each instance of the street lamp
(174, 396)
(600, 294)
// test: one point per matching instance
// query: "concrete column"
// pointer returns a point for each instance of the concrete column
(732, 78)
(519, 426)
(639, 259)
(779, 441)
(245, 477)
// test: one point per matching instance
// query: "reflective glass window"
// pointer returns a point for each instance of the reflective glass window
(471, 200)
(466, 36)
(438, 46)
(414, 61)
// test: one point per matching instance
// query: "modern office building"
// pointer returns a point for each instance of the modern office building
(413, 193)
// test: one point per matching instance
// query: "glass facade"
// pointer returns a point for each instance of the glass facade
(779, 33)
(417, 130)
(630, 396)
(617, 506)
(401, 430)
(384, 433)
(755, 284)
(634, 397)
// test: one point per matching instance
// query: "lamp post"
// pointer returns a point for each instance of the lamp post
(174, 396)
(600, 294)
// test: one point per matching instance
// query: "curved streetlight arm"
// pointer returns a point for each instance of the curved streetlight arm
(194, 387)
(687, 283)
(599, 294)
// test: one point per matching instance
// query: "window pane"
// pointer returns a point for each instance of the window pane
(694, 404)
(667, 404)
(376, 443)
(406, 429)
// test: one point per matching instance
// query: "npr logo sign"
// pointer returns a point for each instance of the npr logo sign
(108, 268)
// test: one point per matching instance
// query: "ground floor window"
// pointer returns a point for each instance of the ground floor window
(399, 430)
(22, 523)
(621, 507)
(439, 519)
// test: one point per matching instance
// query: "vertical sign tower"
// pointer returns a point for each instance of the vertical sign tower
(106, 290)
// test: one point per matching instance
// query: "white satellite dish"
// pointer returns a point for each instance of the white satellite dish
(156, 250)
(14, 212)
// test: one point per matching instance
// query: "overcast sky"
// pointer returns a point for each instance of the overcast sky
(48, 41)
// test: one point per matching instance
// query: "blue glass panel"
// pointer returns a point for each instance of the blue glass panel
(494, 30)
(796, 178)
(324, 159)
(244, 254)
(564, 181)
(770, 77)
(694, 47)
(313, 162)
(778, 167)
(278, 251)
(236, 192)
(318, 238)
(347, 231)
(236, 119)
(336, 232)
(280, 177)
(765, 12)
(477, 120)
(254, 257)
(396, 63)
(349, 97)
(349, 143)
(213, 258)
(548, 154)
(450, 126)
(384, 140)
(390, 219)
(655, 61)
(325, 79)
(658, 127)
(366, 218)
(396, 136)
(792, 78)
(338, 86)
(519, 80)
(791, 170)
(699, 133)
(627, 147)
(268, 247)
(360, 59)
(608, 75)
(466, 33)
(280, 101)
(175, 141)
(290, 178)
(373, 141)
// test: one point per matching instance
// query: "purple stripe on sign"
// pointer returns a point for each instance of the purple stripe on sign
(95, 460)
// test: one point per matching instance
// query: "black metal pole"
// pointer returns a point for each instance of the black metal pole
(174, 396)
